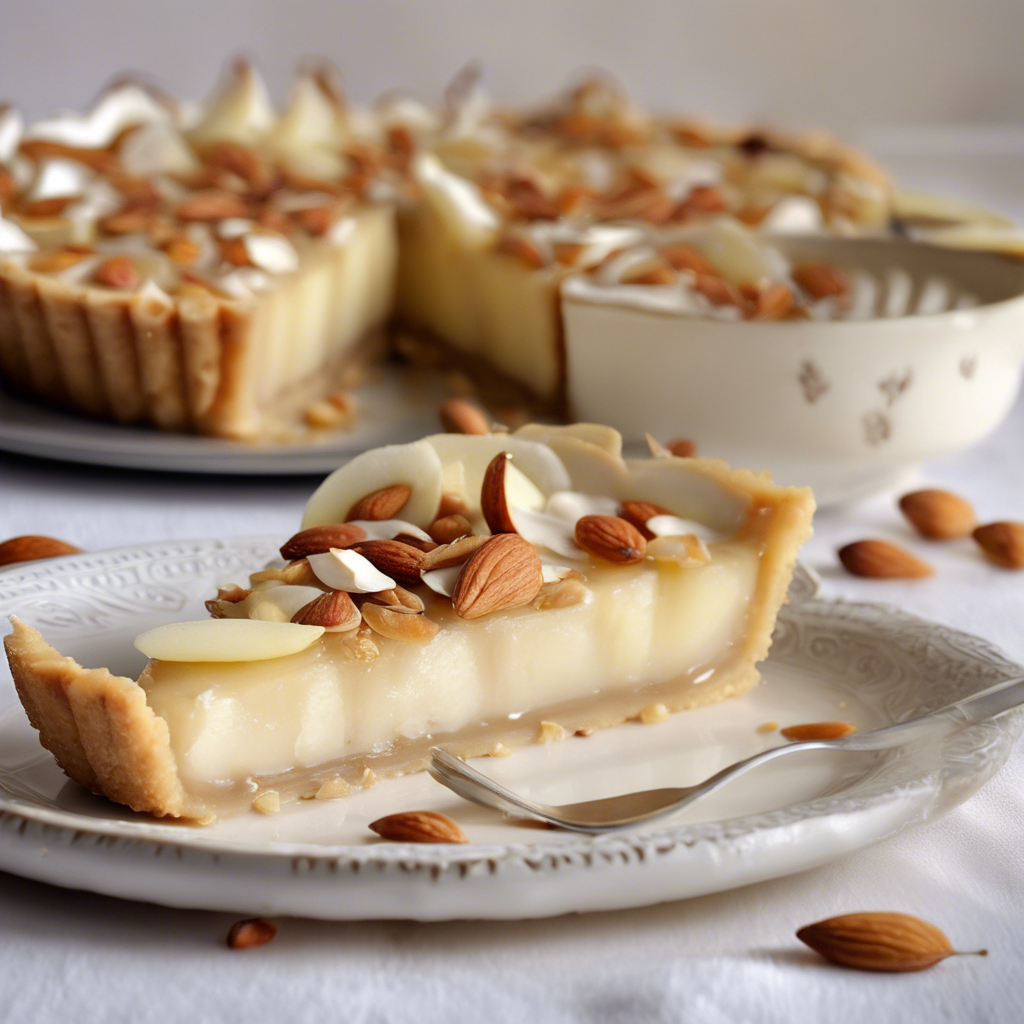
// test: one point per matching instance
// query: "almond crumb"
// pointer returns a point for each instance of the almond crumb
(654, 713)
(767, 727)
(549, 732)
(368, 779)
(500, 750)
(268, 802)
(334, 789)
(254, 932)
(584, 732)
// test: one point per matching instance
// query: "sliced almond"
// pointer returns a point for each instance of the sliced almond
(455, 553)
(881, 559)
(461, 417)
(1003, 543)
(383, 504)
(399, 625)
(347, 569)
(818, 731)
(687, 551)
(226, 640)
(685, 257)
(318, 539)
(418, 827)
(398, 598)
(938, 514)
(561, 594)
(820, 280)
(493, 502)
(31, 547)
(653, 272)
(504, 573)
(449, 528)
(207, 206)
(298, 574)
(638, 512)
(612, 539)
(393, 558)
(335, 611)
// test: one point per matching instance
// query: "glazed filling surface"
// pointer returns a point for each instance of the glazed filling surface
(641, 626)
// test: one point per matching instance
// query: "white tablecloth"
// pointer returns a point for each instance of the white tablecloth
(732, 957)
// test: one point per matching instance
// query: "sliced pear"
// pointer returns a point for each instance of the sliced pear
(543, 472)
(240, 112)
(226, 640)
(416, 465)
(458, 202)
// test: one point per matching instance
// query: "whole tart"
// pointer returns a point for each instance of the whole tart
(431, 598)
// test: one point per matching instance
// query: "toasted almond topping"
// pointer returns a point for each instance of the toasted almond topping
(685, 257)
(879, 942)
(368, 779)
(818, 731)
(318, 539)
(717, 291)
(401, 562)
(182, 251)
(452, 504)
(31, 547)
(521, 249)
(584, 732)
(1003, 543)
(399, 625)
(129, 221)
(398, 598)
(298, 574)
(550, 732)
(45, 208)
(493, 503)
(334, 789)
(418, 827)
(117, 272)
(687, 551)
(611, 538)
(939, 515)
(383, 504)
(212, 206)
(766, 727)
(651, 273)
(324, 415)
(776, 302)
(880, 559)
(654, 713)
(335, 611)
(820, 280)
(449, 528)
(500, 750)
(638, 512)
(268, 802)
(419, 543)
(682, 448)
(560, 594)
(55, 262)
(505, 572)
(247, 934)
(461, 417)
(455, 553)
(347, 569)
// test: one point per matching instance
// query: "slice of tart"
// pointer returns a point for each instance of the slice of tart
(433, 596)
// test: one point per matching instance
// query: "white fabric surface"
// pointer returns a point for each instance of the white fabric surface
(732, 957)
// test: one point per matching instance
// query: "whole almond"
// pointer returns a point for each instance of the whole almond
(878, 941)
(257, 931)
(505, 572)
(455, 553)
(117, 272)
(212, 206)
(880, 559)
(493, 503)
(461, 417)
(638, 512)
(335, 611)
(818, 731)
(383, 504)
(1003, 543)
(393, 558)
(611, 538)
(820, 280)
(419, 827)
(938, 515)
(449, 528)
(318, 539)
(32, 547)
(399, 624)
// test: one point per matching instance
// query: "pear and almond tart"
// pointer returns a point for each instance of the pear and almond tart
(430, 597)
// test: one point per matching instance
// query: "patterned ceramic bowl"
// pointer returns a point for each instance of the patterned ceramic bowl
(925, 361)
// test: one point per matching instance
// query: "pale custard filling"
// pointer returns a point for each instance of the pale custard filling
(641, 626)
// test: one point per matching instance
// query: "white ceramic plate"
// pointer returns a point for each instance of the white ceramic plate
(867, 664)
(399, 405)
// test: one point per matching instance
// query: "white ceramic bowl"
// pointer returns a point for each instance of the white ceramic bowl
(932, 365)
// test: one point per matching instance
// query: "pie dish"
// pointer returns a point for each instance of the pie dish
(431, 597)
(222, 270)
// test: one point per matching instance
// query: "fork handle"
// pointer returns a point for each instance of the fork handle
(979, 707)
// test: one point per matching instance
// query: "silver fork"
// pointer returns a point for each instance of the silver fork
(618, 812)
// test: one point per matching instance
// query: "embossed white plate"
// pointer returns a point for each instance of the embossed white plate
(867, 664)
